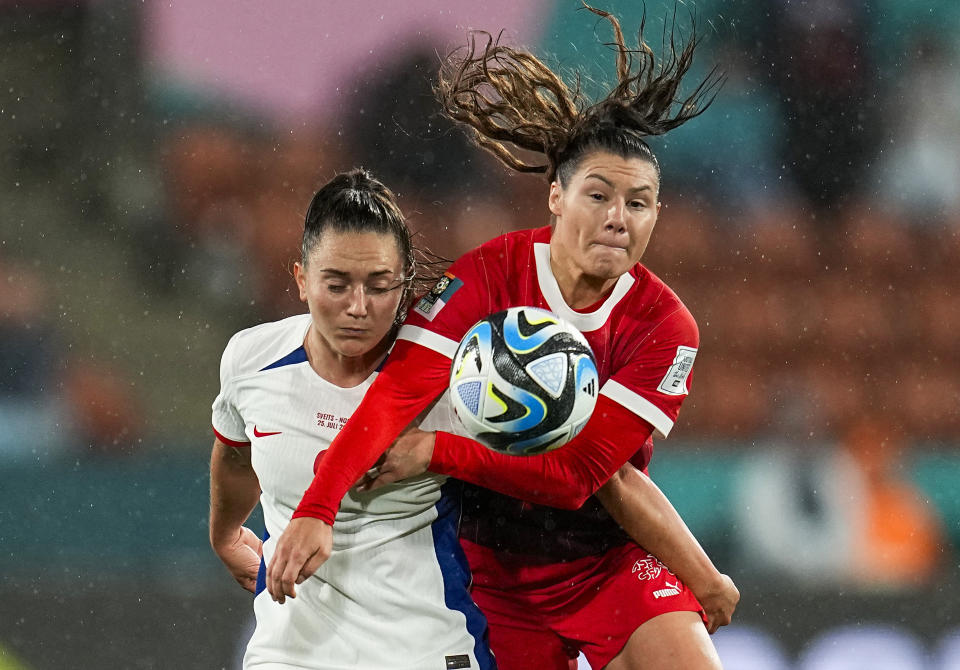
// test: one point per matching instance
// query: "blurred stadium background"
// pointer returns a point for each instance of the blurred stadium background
(157, 158)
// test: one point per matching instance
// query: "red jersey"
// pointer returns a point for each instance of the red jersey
(644, 340)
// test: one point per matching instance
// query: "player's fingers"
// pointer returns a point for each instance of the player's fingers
(281, 565)
(717, 619)
(384, 479)
(289, 578)
(311, 566)
(273, 581)
(724, 618)
(363, 484)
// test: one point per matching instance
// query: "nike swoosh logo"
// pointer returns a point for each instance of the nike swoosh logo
(257, 433)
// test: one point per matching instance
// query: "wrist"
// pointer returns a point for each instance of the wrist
(311, 511)
(221, 538)
(708, 581)
(439, 462)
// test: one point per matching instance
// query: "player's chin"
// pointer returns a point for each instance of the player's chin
(609, 264)
(355, 344)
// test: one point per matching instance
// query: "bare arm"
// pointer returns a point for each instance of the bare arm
(645, 513)
(234, 491)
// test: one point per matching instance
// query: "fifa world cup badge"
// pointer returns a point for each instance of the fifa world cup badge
(429, 305)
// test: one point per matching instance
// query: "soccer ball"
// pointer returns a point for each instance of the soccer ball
(523, 381)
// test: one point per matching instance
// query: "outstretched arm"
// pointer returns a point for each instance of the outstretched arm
(564, 477)
(645, 513)
(411, 379)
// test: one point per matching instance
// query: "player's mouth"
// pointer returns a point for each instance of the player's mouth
(353, 332)
(608, 245)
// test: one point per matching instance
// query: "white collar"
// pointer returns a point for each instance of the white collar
(585, 322)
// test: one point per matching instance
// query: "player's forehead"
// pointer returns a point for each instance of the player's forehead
(355, 254)
(628, 173)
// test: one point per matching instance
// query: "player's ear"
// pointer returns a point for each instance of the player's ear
(555, 198)
(300, 275)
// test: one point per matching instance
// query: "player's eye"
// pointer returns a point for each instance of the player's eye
(336, 288)
(598, 196)
(637, 204)
(383, 287)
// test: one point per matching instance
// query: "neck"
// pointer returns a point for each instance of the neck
(338, 369)
(579, 290)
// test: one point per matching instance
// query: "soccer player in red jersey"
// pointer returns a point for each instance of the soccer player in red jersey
(555, 582)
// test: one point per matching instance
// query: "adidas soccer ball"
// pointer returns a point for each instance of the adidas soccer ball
(523, 381)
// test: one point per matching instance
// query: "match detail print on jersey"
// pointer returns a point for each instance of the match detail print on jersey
(431, 304)
(675, 381)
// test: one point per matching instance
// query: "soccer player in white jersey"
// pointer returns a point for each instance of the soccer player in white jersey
(551, 582)
(394, 595)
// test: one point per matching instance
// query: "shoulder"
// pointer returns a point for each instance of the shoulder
(658, 307)
(255, 348)
(485, 266)
(505, 248)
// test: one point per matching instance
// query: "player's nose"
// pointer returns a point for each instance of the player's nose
(358, 302)
(616, 217)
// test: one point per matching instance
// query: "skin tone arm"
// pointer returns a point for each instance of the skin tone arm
(645, 513)
(234, 492)
(631, 498)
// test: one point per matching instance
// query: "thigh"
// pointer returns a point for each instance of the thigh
(517, 638)
(622, 591)
(668, 641)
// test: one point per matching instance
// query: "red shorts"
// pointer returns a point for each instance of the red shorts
(542, 616)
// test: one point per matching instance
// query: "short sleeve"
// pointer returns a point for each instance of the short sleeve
(228, 425)
(656, 380)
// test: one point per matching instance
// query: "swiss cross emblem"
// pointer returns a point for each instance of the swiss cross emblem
(647, 568)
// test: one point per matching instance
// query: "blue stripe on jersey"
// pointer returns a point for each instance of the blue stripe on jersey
(262, 572)
(298, 355)
(456, 571)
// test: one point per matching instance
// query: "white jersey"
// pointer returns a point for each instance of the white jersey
(394, 592)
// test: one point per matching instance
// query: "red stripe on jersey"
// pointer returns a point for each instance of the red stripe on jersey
(230, 443)
(563, 478)
(410, 380)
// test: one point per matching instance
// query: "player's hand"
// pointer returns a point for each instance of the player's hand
(371, 474)
(719, 601)
(409, 456)
(303, 547)
(242, 555)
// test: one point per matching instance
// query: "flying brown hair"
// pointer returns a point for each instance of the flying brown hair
(514, 104)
